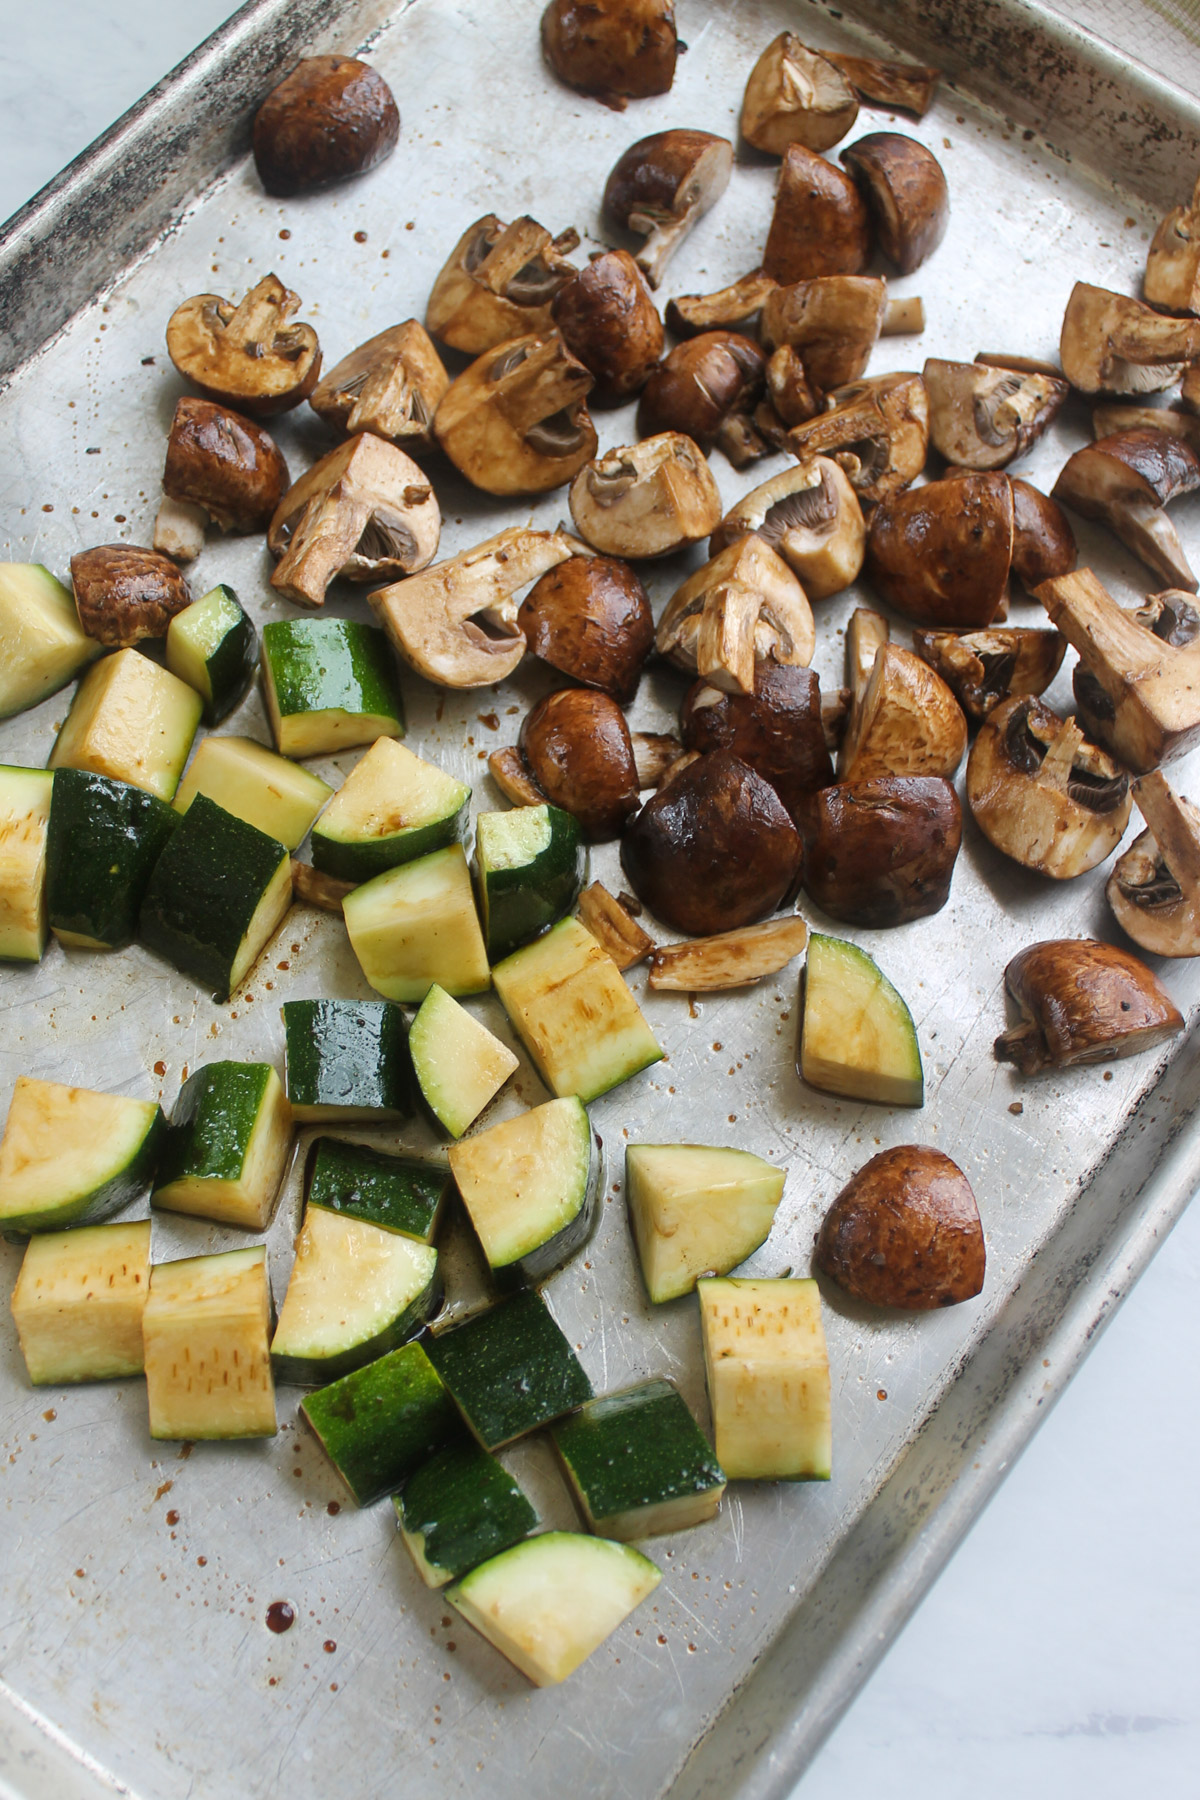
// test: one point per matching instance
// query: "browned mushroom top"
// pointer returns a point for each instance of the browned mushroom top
(940, 554)
(832, 320)
(661, 186)
(1126, 480)
(820, 224)
(124, 593)
(905, 1231)
(590, 617)
(607, 318)
(906, 193)
(611, 48)
(1083, 1002)
(777, 729)
(224, 463)
(700, 385)
(250, 355)
(579, 750)
(331, 118)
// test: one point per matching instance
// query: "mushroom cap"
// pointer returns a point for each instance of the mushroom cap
(248, 356)
(124, 593)
(881, 852)
(611, 48)
(390, 385)
(985, 668)
(743, 606)
(665, 175)
(700, 384)
(365, 512)
(876, 430)
(646, 499)
(940, 554)
(224, 463)
(810, 515)
(777, 730)
(1083, 1002)
(982, 417)
(577, 745)
(833, 320)
(331, 118)
(905, 1231)
(796, 96)
(1111, 343)
(590, 618)
(606, 316)
(1043, 542)
(499, 283)
(820, 224)
(908, 85)
(1126, 480)
(906, 194)
(1172, 278)
(514, 421)
(906, 721)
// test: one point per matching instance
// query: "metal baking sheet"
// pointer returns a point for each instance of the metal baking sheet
(134, 1654)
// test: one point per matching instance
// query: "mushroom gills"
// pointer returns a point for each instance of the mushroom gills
(1154, 889)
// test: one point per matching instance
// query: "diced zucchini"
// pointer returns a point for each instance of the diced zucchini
(460, 1067)
(530, 1186)
(104, 839)
(510, 1369)
(696, 1210)
(638, 1463)
(459, 1508)
(69, 1155)
(213, 646)
(207, 1328)
(768, 1378)
(227, 1146)
(573, 1012)
(391, 808)
(416, 925)
(132, 720)
(532, 863)
(329, 684)
(857, 1037)
(79, 1300)
(346, 1060)
(42, 644)
(549, 1602)
(380, 1423)
(25, 799)
(217, 895)
(396, 1192)
(254, 784)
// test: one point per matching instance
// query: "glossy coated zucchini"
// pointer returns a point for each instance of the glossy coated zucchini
(696, 1210)
(69, 1155)
(254, 784)
(42, 644)
(459, 1508)
(531, 864)
(397, 1192)
(416, 925)
(391, 808)
(347, 1059)
(530, 1186)
(638, 1463)
(460, 1067)
(213, 646)
(25, 800)
(132, 720)
(104, 839)
(227, 1147)
(510, 1369)
(380, 1423)
(329, 684)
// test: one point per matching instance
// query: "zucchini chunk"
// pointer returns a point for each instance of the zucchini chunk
(638, 1463)
(459, 1508)
(329, 684)
(254, 784)
(347, 1060)
(531, 864)
(391, 808)
(213, 646)
(573, 1012)
(103, 841)
(460, 1067)
(416, 925)
(530, 1186)
(549, 1602)
(510, 1369)
(398, 1193)
(857, 1037)
(356, 1292)
(42, 644)
(380, 1423)
(132, 720)
(227, 1146)
(69, 1155)
(79, 1300)
(696, 1211)
(218, 894)
(25, 801)
(208, 1364)
(768, 1378)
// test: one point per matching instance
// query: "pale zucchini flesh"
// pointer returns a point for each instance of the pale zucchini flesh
(768, 1378)
(391, 808)
(696, 1210)
(254, 784)
(69, 1155)
(208, 1362)
(529, 1186)
(227, 1146)
(459, 1065)
(857, 1037)
(416, 926)
(42, 644)
(24, 820)
(79, 1301)
(132, 720)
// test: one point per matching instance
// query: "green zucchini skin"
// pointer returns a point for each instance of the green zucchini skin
(521, 900)
(212, 1121)
(44, 1172)
(459, 1508)
(329, 666)
(510, 1369)
(349, 1057)
(216, 631)
(380, 1423)
(103, 841)
(397, 1192)
(533, 1161)
(638, 1462)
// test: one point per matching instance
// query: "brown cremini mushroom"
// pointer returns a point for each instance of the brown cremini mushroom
(832, 320)
(778, 730)
(911, 86)
(1154, 889)
(984, 418)
(391, 385)
(743, 606)
(662, 186)
(1113, 416)
(866, 634)
(796, 96)
(611, 49)
(735, 307)
(365, 512)
(578, 748)
(124, 593)
(224, 465)
(1127, 481)
(589, 617)
(515, 421)
(706, 388)
(606, 317)
(1113, 344)
(810, 515)
(331, 118)
(906, 195)
(1043, 542)
(940, 554)
(876, 430)
(791, 395)
(1172, 278)
(512, 775)
(878, 853)
(499, 283)
(905, 721)
(820, 224)
(905, 1231)
(985, 668)
(646, 499)
(1082, 1002)
(248, 356)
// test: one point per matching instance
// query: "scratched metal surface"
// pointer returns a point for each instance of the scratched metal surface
(136, 1577)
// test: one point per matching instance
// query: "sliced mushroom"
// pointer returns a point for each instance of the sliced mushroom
(985, 668)
(655, 754)
(907, 722)
(1113, 344)
(590, 618)
(735, 307)
(613, 927)
(778, 730)
(810, 515)
(124, 593)
(499, 283)
(313, 887)
(706, 388)
(1042, 793)
(796, 96)
(905, 1231)
(881, 852)
(1154, 889)
(607, 318)
(515, 421)
(646, 499)
(247, 356)
(832, 320)
(662, 186)
(876, 429)
(820, 224)
(940, 554)
(331, 118)
(903, 316)
(908, 85)
(731, 959)
(742, 606)
(391, 385)
(984, 418)
(1126, 481)
(365, 512)
(512, 775)
(866, 635)
(906, 194)
(791, 395)
(1082, 1002)
(611, 49)
(835, 717)
(224, 465)
(1172, 278)
(579, 752)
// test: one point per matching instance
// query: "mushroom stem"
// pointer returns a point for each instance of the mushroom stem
(332, 519)
(1059, 761)
(866, 633)
(179, 529)
(903, 317)
(664, 234)
(1174, 831)
(511, 774)
(256, 321)
(1149, 533)
(653, 754)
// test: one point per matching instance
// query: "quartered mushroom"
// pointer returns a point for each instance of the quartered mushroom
(513, 776)
(903, 721)
(906, 195)
(742, 606)
(791, 398)
(866, 635)
(580, 753)
(606, 317)
(613, 926)
(1172, 277)
(730, 959)
(911, 86)
(1082, 1002)
(392, 385)
(832, 320)
(984, 418)
(249, 356)
(499, 283)
(662, 186)
(880, 852)
(515, 421)
(1112, 344)
(331, 118)
(124, 593)
(612, 49)
(1127, 481)
(590, 618)
(820, 225)
(219, 467)
(940, 554)
(1113, 416)
(796, 96)
(735, 307)
(810, 515)
(778, 730)
(985, 668)
(365, 512)
(707, 388)
(1043, 542)
(905, 1231)
(1154, 889)
(876, 430)
(646, 499)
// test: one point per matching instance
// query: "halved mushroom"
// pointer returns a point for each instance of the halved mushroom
(611, 49)
(904, 722)
(515, 421)
(224, 465)
(124, 593)
(940, 554)
(646, 499)
(512, 775)
(1113, 416)
(1113, 344)
(743, 606)
(876, 429)
(456, 623)
(499, 283)
(908, 85)
(707, 388)
(391, 385)
(247, 356)
(791, 396)
(730, 959)
(820, 224)
(832, 320)
(365, 512)
(662, 186)
(590, 618)
(1042, 793)
(331, 118)
(579, 752)
(985, 668)
(1082, 1002)
(905, 1231)
(866, 634)
(735, 307)
(1154, 889)
(1127, 480)
(608, 319)
(810, 515)
(796, 96)
(906, 194)
(984, 418)
(1172, 278)
(614, 928)
(878, 853)
(778, 730)
(1043, 542)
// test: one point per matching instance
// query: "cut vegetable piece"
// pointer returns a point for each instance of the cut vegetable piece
(380, 1423)
(530, 1186)
(416, 925)
(857, 1036)
(25, 800)
(391, 808)
(460, 1067)
(532, 863)
(227, 1146)
(639, 1464)
(459, 1508)
(510, 1369)
(549, 1602)
(731, 959)
(79, 1300)
(256, 785)
(396, 1192)
(132, 720)
(42, 644)
(329, 684)
(574, 1014)
(615, 930)
(208, 1365)
(213, 646)
(696, 1211)
(69, 1155)
(768, 1378)
(347, 1059)
(104, 839)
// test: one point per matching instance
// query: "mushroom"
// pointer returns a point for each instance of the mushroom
(905, 1231)
(431, 617)
(613, 927)
(876, 429)
(985, 668)
(1113, 416)
(390, 385)
(515, 421)
(906, 194)
(731, 959)
(736, 307)
(313, 887)
(743, 606)
(611, 48)
(1154, 889)
(1126, 481)
(331, 118)
(706, 388)
(589, 617)
(1172, 278)
(810, 515)
(866, 635)
(1113, 344)
(832, 320)
(646, 499)
(1082, 1002)
(796, 96)
(511, 774)
(498, 283)
(905, 721)
(940, 554)
(579, 751)
(878, 853)
(777, 730)
(984, 418)
(1042, 793)
(820, 224)
(1043, 542)
(908, 85)
(124, 593)
(365, 512)
(222, 465)
(662, 186)
(247, 356)
(607, 318)
(790, 394)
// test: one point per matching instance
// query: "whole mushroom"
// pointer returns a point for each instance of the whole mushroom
(331, 118)
(880, 853)
(940, 554)
(580, 753)
(905, 1231)
(611, 49)
(124, 593)
(707, 388)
